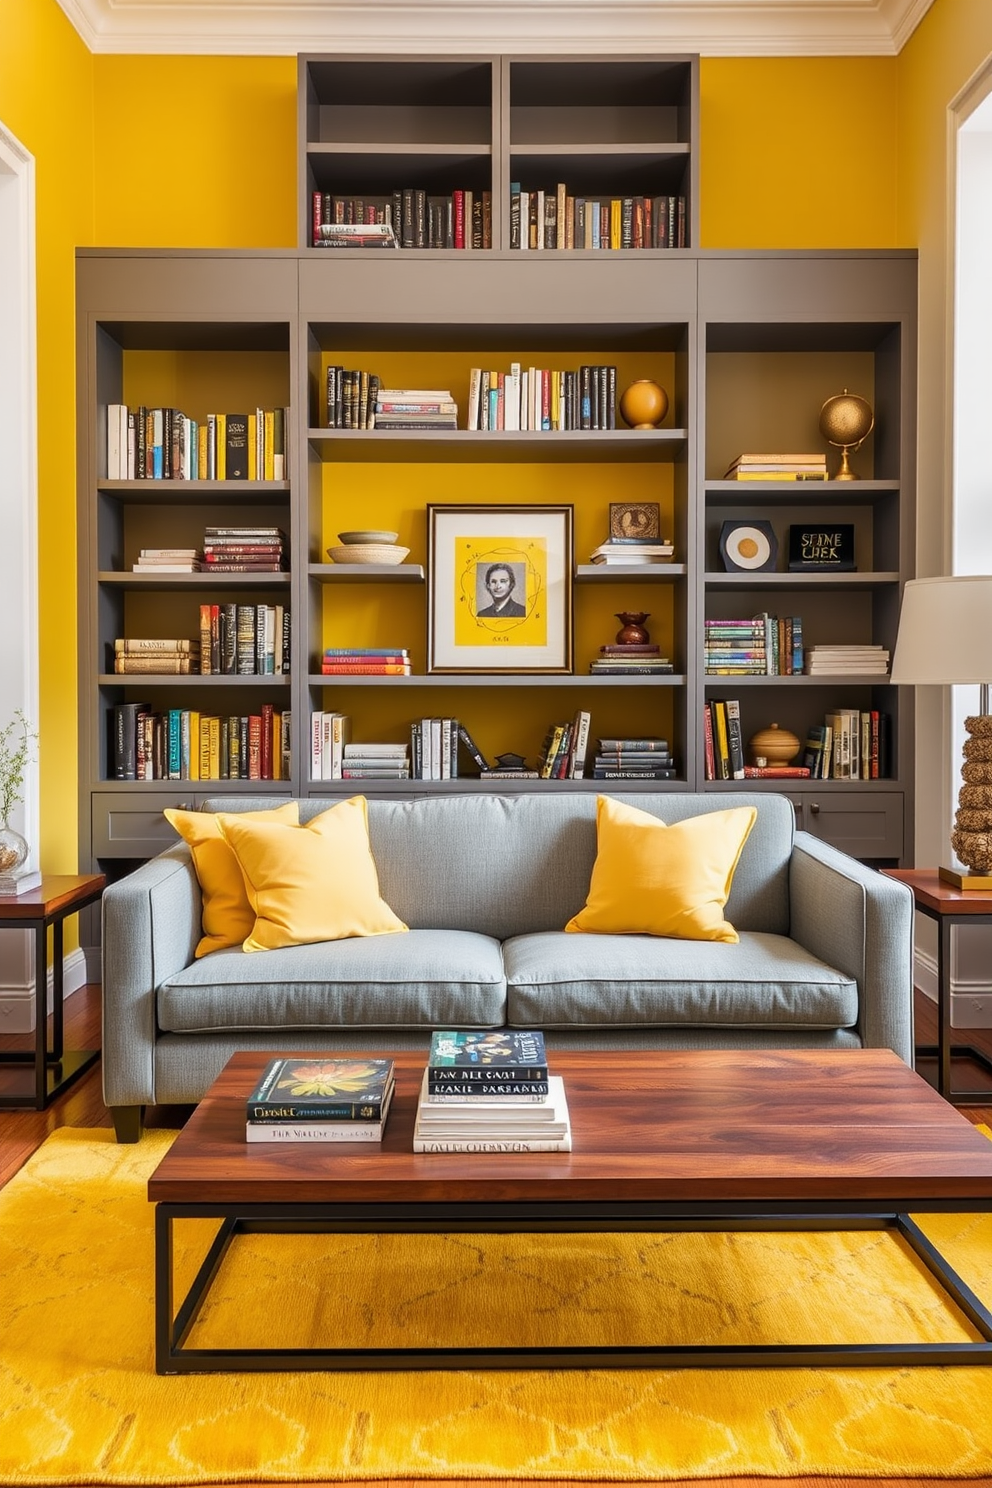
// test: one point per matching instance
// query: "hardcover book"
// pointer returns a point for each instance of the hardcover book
(321, 1089)
(500, 1055)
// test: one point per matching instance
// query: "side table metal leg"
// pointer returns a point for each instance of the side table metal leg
(58, 990)
(944, 1007)
(40, 1016)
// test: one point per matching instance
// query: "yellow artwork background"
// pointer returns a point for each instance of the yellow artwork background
(532, 629)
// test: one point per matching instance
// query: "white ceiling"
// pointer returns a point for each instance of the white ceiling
(714, 28)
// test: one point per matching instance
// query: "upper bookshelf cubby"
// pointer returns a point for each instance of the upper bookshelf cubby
(604, 150)
(371, 129)
(587, 133)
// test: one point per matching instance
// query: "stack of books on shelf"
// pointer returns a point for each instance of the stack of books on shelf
(630, 661)
(622, 552)
(850, 744)
(563, 753)
(541, 398)
(836, 661)
(415, 408)
(776, 467)
(164, 444)
(167, 657)
(633, 759)
(354, 234)
(559, 219)
(415, 218)
(183, 744)
(244, 640)
(244, 549)
(322, 1099)
(371, 761)
(757, 645)
(168, 560)
(329, 733)
(723, 740)
(365, 661)
(351, 397)
(491, 1092)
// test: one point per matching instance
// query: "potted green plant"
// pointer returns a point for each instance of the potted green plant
(16, 742)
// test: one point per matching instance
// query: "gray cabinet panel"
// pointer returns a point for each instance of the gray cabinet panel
(133, 827)
(866, 824)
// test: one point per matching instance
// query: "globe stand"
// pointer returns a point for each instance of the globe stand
(845, 472)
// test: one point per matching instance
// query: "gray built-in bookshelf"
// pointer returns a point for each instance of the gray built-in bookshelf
(748, 345)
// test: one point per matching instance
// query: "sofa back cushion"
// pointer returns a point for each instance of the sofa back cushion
(518, 864)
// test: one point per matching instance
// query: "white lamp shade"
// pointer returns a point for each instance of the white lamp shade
(945, 631)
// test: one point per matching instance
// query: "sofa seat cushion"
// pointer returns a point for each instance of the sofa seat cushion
(427, 978)
(624, 981)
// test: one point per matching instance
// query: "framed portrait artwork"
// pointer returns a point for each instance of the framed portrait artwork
(499, 589)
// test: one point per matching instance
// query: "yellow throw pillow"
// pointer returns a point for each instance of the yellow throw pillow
(654, 879)
(309, 883)
(227, 916)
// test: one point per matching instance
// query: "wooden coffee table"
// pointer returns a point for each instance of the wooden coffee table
(720, 1140)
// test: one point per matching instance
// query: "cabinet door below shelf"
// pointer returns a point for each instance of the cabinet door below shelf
(133, 826)
(866, 824)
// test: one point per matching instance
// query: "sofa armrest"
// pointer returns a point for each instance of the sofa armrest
(151, 926)
(860, 922)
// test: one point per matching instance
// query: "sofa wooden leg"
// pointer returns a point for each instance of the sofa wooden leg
(128, 1122)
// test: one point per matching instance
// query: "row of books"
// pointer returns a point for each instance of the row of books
(778, 467)
(836, 661)
(481, 1092)
(541, 398)
(560, 220)
(563, 753)
(244, 549)
(417, 218)
(350, 397)
(365, 661)
(376, 761)
(754, 645)
(183, 744)
(165, 444)
(619, 660)
(850, 744)
(243, 640)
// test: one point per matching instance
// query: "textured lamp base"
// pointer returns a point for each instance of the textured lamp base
(980, 883)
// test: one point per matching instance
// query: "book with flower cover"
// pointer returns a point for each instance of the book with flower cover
(321, 1089)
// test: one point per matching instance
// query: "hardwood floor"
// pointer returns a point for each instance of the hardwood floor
(21, 1132)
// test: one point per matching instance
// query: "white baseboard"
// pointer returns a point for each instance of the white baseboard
(17, 1000)
(969, 1008)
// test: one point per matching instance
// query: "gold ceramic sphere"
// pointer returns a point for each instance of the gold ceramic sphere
(644, 404)
(846, 420)
(779, 746)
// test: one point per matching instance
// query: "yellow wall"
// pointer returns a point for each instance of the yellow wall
(799, 152)
(201, 152)
(46, 101)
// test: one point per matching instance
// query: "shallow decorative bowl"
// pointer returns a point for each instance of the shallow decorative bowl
(367, 553)
(367, 537)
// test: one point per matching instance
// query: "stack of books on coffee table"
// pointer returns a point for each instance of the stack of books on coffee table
(323, 1099)
(491, 1092)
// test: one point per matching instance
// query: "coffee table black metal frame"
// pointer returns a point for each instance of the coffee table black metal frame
(173, 1326)
(49, 905)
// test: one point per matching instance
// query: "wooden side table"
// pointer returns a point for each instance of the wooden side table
(949, 906)
(50, 904)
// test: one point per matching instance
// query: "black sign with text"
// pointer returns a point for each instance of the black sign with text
(822, 545)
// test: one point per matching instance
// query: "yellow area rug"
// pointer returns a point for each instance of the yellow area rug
(80, 1401)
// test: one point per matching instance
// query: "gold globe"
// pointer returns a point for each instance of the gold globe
(845, 422)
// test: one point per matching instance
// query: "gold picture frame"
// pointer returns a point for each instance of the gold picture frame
(499, 595)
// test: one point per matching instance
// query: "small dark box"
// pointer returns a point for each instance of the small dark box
(822, 545)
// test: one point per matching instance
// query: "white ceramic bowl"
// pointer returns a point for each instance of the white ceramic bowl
(367, 553)
(367, 537)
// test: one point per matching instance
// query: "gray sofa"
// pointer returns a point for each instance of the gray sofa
(486, 884)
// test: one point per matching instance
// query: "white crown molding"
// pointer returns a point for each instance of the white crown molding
(713, 28)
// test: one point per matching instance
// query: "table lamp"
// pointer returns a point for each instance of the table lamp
(945, 636)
